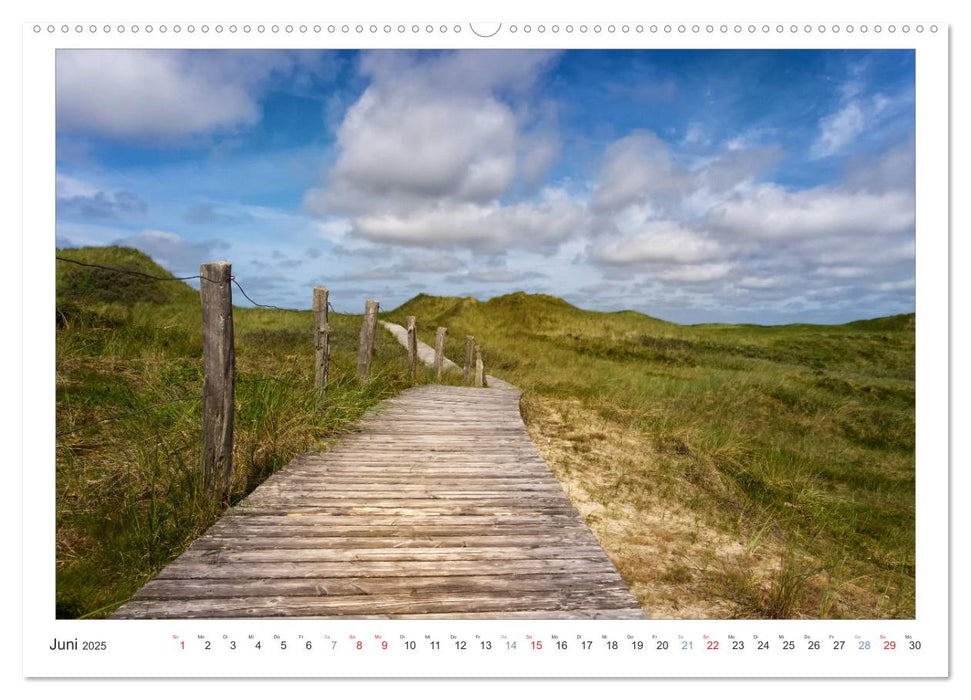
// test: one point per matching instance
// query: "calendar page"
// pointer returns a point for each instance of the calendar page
(430, 347)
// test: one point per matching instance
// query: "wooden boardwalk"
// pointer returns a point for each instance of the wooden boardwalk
(440, 506)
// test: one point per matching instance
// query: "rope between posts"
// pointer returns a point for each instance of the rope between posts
(139, 273)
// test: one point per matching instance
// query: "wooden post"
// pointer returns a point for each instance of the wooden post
(469, 345)
(366, 351)
(219, 360)
(479, 369)
(321, 340)
(412, 347)
(440, 352)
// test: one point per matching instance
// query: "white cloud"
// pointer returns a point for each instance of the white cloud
(771, 212)
(905, 285)
(754, 282)
(436, 263)
(140, 95)
(537, 157)
(636, 169)
(394, 144)
(408, 266)
(333, 229)
(539, 225)
(446, 154)
(67, 186)
(145, 94)
(747, 140)
(692, 274)
(431, 161)
(171, 251)
(492, 275)
(662, 242)
(696, 135)
(732, 168)
(718, 236)
(893, 170)
(873, 250)
(430, 153)
(457, 72)
(76, 199)
(838, 130)
(431, 129)
(842, 271)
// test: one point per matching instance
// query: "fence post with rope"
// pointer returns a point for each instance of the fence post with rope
(321, 340)
(469, 356)
(366, 352)
(412, 347)
(219, 359)
(440, 352)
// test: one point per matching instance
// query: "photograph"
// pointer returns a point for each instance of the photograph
(485, 334)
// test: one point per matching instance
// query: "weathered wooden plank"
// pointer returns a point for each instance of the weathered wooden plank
(381, 447)
(371, 475)
(407, 480)
(221, 588)
(323, 522)
(385, 459)
(416, 479)
(459, 422)
(439, 534)
(415, 473)
(402, 510)
(453, 441)
(470, 505)
(428, 506)
(500, 444)
(229, 555)
(274, 606)
(312, 490)
(429, 489)
(633, 613)
(194, 569)
(441, 465)
(394, 498)
(444, 431)
(309, 497)
(258, 541)
(510, 453)
(430, 461)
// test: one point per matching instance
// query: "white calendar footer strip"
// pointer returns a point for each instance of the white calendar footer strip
(423, 648)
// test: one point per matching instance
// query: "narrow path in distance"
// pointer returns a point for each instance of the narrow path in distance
(426, 353)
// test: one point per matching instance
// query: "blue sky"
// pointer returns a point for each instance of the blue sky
(696, 186)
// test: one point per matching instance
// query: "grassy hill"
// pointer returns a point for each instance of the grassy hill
(129, 384)
(729, 470)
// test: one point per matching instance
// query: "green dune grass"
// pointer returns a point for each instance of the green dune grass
(729, 470)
